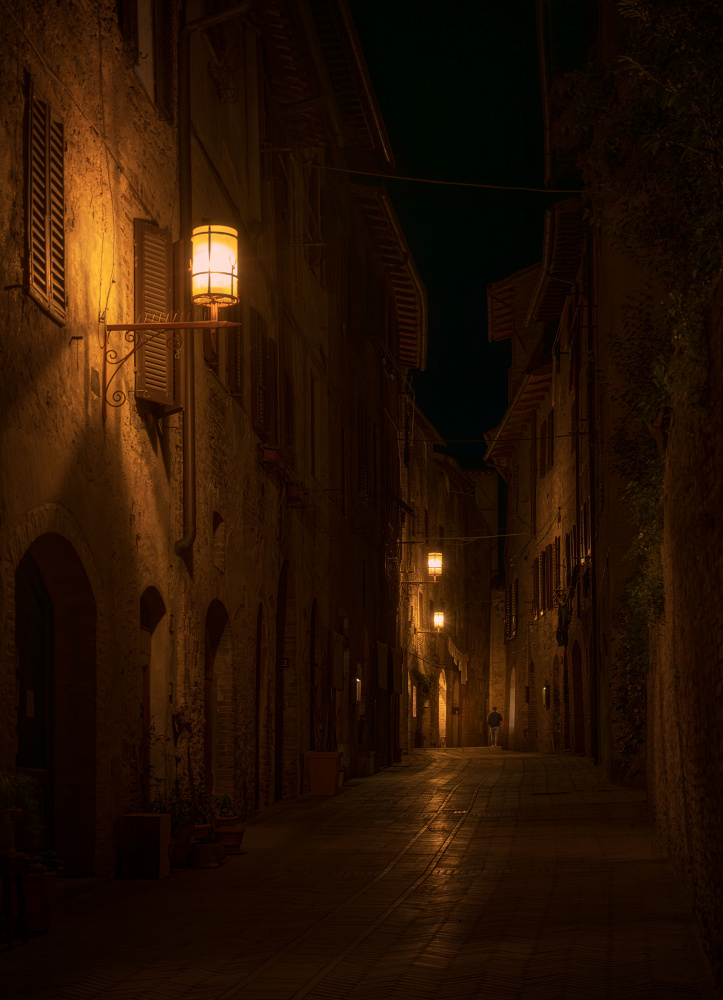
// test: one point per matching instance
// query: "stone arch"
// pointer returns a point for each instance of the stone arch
(578, 703)
(152, 693)
(218, 702)
(287, 760)
(55, 618)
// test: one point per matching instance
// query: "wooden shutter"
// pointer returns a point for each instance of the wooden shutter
(550, 602)
(157, 368)
(543, 585)
(164, 58)
(258, 371)
(551, 439)
(45, 219)
(235, 351)
(272, 370)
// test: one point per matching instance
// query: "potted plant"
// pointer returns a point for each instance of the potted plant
(39, 876)
(20, 797)
(324, 761)
(228, 828)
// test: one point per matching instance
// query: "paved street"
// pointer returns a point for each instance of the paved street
(458, 874)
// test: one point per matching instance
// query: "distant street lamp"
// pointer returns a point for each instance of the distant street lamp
(434, 563)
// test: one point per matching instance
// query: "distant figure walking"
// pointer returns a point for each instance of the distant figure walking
(494, 719)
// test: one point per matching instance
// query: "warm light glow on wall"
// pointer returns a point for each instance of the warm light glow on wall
(214, 276)
(434, 561)
(439, 619)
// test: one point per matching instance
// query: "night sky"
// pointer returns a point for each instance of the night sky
(459, 92)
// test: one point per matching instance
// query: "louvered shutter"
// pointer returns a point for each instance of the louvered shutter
(536, 589)
(46, 208)
(156, 365)
(235, 351)
(164, 61)
(272, 366)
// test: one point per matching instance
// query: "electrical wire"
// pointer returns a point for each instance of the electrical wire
(466, 184)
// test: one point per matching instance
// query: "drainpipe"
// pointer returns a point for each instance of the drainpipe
(185, 211)
(186, 228)
(592, 444)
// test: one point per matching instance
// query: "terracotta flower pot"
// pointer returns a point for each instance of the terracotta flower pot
(323, 771)
(205, 855)
(230, 837)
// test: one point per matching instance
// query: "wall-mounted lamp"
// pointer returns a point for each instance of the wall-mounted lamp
(434, 563)
(214, 267)
(358, 690)
(439, 620)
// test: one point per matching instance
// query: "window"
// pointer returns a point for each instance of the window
(157, 358)
(148, 33)
(264, 365)
(45, 208)
(549, 599)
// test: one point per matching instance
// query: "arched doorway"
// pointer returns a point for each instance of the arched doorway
(578, 704)
(55, 635)
(287, 768)
(152, 686)
(511, 713)
(442, 709)
(218, 701)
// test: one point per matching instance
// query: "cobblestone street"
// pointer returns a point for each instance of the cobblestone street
(459, 873)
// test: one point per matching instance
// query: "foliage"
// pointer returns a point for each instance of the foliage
(224, 805)
(20, 791)
(647, 126)
(423, 682)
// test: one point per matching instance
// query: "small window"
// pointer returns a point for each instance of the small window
(45, 208)
(148, 33)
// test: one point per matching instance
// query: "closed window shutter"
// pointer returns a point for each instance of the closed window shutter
(543, 587)
(164, 52)
(551, 438)
(550, 602)
(258, 370)
(157, 368)
(235, 351)
(46, 209)
(272, 364)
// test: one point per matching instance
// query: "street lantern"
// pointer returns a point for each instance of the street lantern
(434, 562)
(214, 274)
(439, 619)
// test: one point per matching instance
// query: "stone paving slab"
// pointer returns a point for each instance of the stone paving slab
(469, 874)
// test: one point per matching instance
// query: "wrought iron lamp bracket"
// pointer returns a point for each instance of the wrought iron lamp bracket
(131, 333)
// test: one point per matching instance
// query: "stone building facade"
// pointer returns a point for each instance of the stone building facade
(199, 526)
(452, 513)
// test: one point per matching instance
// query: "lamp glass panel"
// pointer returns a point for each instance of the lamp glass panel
(214, 277)
(434, 562)
(438, 619)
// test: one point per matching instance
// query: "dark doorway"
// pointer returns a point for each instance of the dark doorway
(282, 664)
(56, 647)
(218, 764)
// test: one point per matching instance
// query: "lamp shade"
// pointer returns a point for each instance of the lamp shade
(214, 270)
(439, 619)
(434, 562)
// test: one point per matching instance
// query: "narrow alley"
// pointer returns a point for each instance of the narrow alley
(458, 873)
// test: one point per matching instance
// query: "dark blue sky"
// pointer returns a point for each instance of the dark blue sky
(459, 92)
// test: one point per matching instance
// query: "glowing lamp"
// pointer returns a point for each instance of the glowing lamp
(434, 562)
(214, 270)
(439, 619)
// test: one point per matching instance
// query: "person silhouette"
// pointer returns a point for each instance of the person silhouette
(493, 721)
